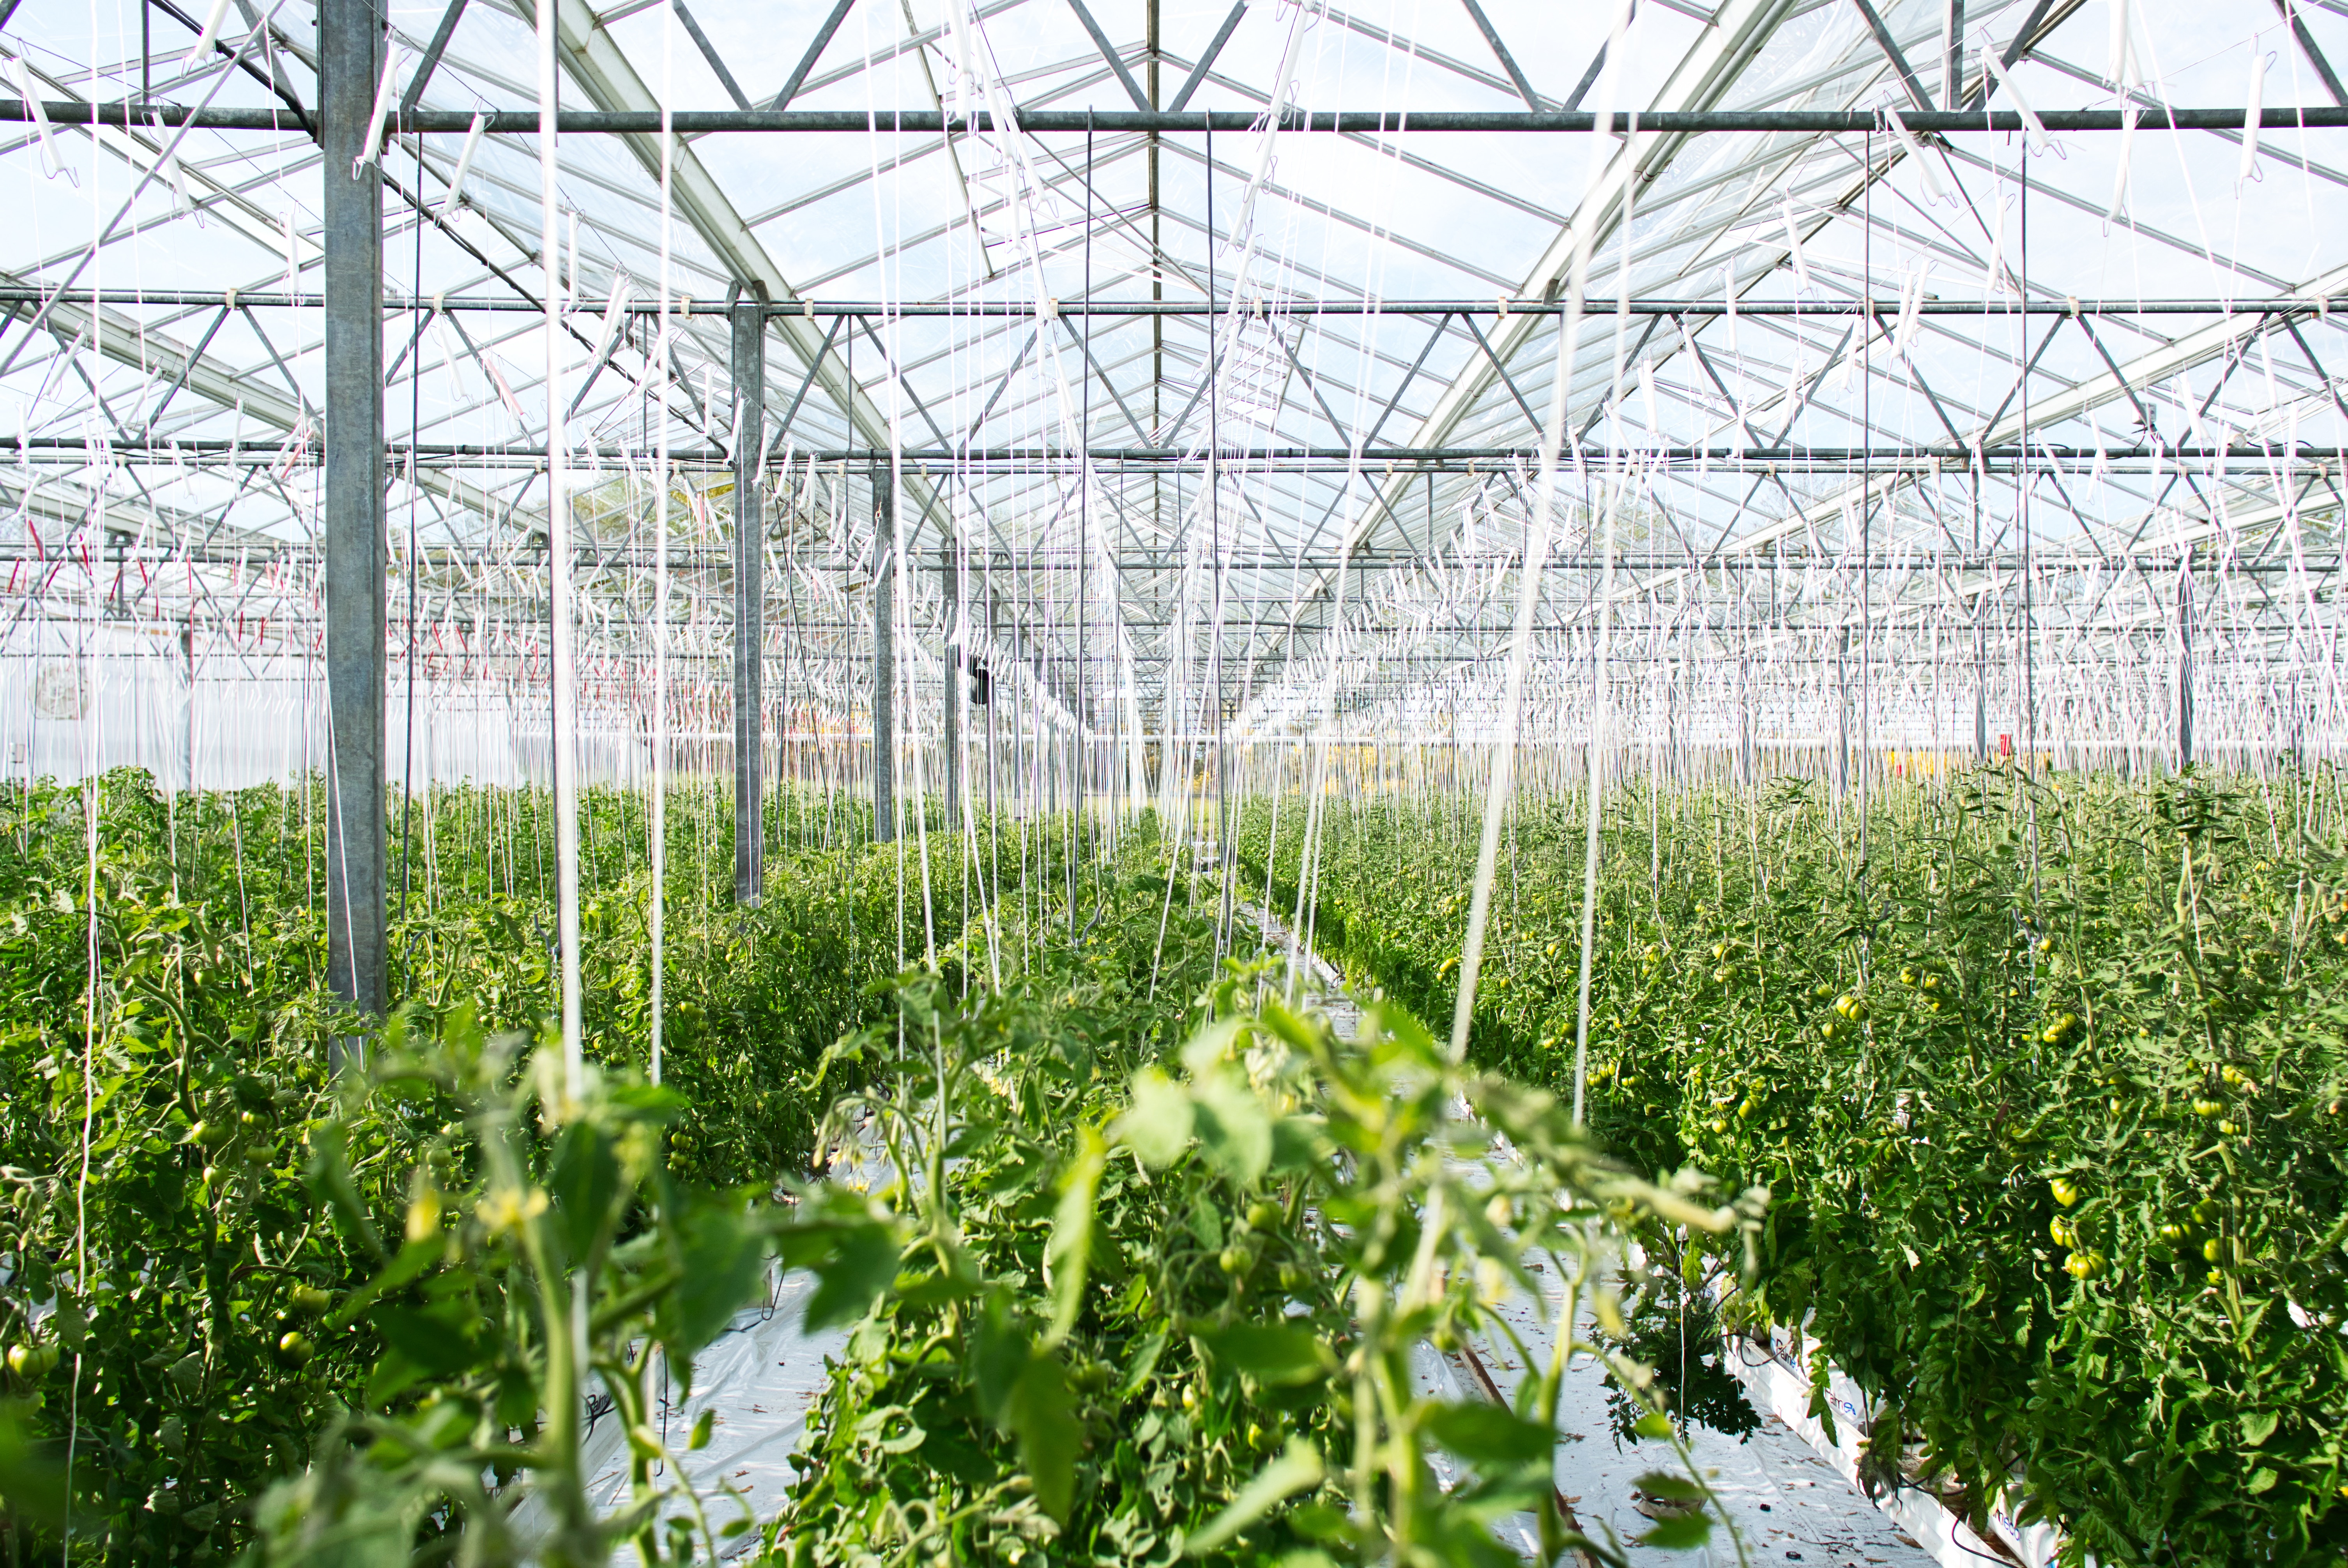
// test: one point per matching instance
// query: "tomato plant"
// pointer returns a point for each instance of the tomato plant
(171, 1301)
(2046, 1077)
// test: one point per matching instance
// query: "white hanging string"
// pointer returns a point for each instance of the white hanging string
(1537, 532)
(564, 738)
(658, 815)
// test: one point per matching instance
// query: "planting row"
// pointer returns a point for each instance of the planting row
(2046, 1080)
(174, 1290)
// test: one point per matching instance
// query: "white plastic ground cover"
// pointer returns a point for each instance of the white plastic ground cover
(1788, 1503)
(1775, 1383)
(758, 1379)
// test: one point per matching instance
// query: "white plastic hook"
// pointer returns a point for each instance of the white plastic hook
(2252, 107)
(2129, 116)
(2031, 124)
(50, 162)
(1934, 185)
(464, 163)
(210, 31)
(373, 145)
(1794, 243)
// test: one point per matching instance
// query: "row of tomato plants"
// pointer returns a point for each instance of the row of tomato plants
(305, 1318)
(1138, 1265)
(170, 1277)
(2045, 1077)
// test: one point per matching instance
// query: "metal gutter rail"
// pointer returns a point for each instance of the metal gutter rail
(1500, 307)
(1164, 122)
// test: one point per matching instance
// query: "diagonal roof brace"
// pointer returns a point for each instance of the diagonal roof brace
(1500, 52)
(2315, 56)
(1108, 52)
(128, 342)
(1890, 47)
(596, 62)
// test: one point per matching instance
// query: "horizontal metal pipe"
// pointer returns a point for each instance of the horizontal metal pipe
(1795, 459)
(2294, 304)
(1162, 122)
(2007, 562)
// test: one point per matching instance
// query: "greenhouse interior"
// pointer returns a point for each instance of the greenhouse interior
(1017, 846)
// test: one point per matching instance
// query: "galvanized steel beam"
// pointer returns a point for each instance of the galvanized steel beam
(351, 40)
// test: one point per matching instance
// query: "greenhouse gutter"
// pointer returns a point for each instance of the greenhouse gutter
(1502, 308)
(1032, 122)
(1891, 462)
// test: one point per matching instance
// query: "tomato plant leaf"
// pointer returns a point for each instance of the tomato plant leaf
(1145, 1361)
(1681, 1532)
(584, 1184)
(1270, 1353)
(1234, 1127)
(722, 1253)
(1070, 1246)
(439, 1339)
(1297, 1467)
(853, 1277)
(330, 1181)
(1486, 1434)
(1672, 1487)
(1157, 1126)
(1039, 1417)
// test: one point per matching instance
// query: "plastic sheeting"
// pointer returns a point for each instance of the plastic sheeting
(757, 1379)
(73, 704)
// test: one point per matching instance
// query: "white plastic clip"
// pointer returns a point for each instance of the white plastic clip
(807, 307)
(1502, 302)
(1049, 311)
(228, 300)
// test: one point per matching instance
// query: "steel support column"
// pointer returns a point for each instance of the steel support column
(954, 662)
(350, 53)
(2185, 660)
(749, 596)
(884, 657)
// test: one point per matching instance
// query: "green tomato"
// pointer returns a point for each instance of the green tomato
(294, 1346)
(31, 1362)
(1262, 1216)
(2066, 1193)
